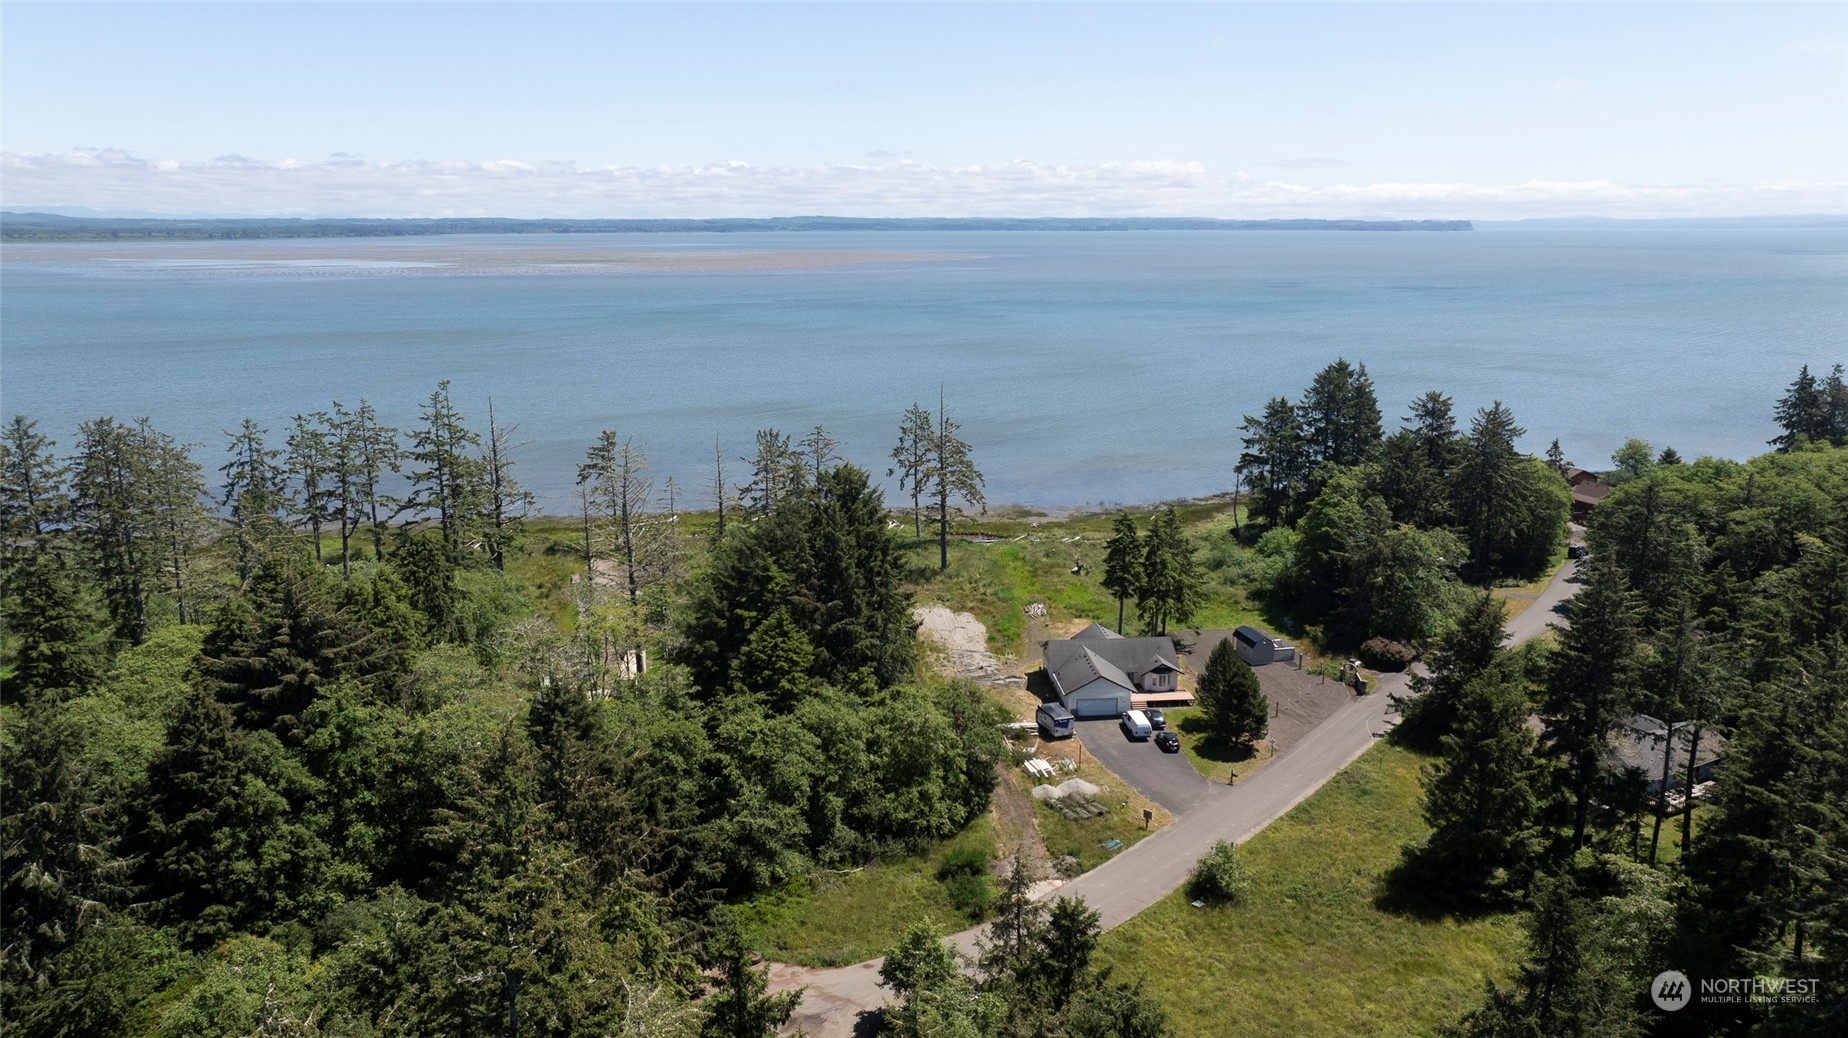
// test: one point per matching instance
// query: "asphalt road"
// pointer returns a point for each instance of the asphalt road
(838, 1002)
(1169, 779)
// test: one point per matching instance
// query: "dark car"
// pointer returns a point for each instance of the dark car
(1156, 720)
(1577, 551)
(1168, 741)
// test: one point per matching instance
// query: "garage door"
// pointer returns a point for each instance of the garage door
(1110, 705)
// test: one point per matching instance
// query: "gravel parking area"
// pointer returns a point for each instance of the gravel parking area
(1299, 700)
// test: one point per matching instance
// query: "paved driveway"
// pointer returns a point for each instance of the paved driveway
(1166, 778)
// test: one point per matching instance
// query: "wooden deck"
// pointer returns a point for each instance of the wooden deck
(1180, 697)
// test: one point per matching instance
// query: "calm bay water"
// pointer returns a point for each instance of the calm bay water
(1110, 367)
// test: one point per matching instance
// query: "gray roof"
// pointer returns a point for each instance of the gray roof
(1096, 632)
(1078, 668)
(1075, 663)
(1640, 741)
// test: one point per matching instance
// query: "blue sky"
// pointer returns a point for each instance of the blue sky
(1474, 111)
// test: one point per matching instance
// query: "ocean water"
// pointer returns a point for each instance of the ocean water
(1085, 368)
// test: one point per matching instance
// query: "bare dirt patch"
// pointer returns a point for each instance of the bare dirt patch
(961, 638)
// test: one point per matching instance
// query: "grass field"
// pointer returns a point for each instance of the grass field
(1032, 560)
(1310, 954)
(827, 920)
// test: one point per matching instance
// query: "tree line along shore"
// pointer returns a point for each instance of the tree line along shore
(342, 741)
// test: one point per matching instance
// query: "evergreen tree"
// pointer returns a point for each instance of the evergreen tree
(1835, 389)
(1008, 951)
(818, 451)
(447, 480)
(33, 501)
(1275, 461)
(1170, 587)
(1123, 562)
(1400, 580)
(61, 870)
(1231, 698)
(1433, 424)
(270, 653)
(1402, 476)
(740, 1006)
(951, 476)
(1590, 687)
(1479, 797)
(1335, 520)
(1567, 987)
(310, 460)
(507, 501)
(136, 512)
(776, 472)
(621, 493)
(1804, 413)
(1340, 416)
(254, 491)
(911, 459)
(1458, 658)
(1512, 509)
(1066, 944)
(53, 630)
(1556, 458)
(826, 557)
(372, 451)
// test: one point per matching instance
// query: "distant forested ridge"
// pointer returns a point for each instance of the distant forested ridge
(51, 227)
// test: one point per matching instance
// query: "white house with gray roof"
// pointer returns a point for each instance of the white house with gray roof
(1099, 673)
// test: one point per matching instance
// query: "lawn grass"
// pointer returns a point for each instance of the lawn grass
(1309, 953)
(1209, 755)
(826, 920)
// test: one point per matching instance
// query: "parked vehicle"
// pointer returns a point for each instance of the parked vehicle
(1168, 742)
(1577, 551)
(1136, 725)
(1055, 722)
(1157, 720)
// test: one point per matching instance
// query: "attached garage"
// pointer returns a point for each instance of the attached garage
(1100, 698)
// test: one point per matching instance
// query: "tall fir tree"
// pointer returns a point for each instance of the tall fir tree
(911, 459)
(1170, 588)
(1340, 415)
(1231, 698)
(1275, 461)
(1479, 797)
(1123, 562)
(1591, 685)
(447, 475)
(952, 477)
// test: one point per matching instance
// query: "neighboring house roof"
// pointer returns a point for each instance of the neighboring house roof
(1076, 662)
(1590, 493)
(1096, 632)
(1576, 475)
(1640, 741)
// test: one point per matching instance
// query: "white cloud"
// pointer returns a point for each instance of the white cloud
(113, 180)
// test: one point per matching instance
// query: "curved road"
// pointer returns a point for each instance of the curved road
(837, 1001)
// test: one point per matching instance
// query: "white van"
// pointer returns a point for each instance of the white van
(1136, 725)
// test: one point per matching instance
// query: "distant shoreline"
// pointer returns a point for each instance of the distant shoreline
(52, 227)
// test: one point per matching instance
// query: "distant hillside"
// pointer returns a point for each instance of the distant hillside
(50, 227)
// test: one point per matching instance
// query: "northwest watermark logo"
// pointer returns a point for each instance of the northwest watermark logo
(1670, 990)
